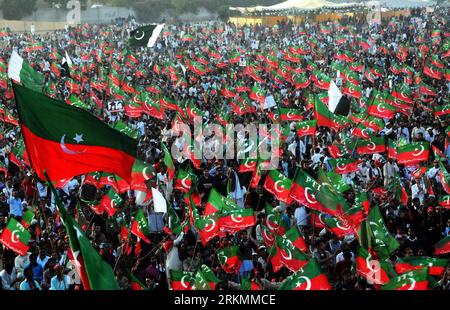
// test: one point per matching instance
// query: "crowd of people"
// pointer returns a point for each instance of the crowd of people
(195, 69)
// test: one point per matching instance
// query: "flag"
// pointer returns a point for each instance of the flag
(135, 284)
(310, 277)
(139, 228)
(288, 115)
(339, 227)
(257, 94)
(218, 203)
(15, 237)
(284, 253)
(413, 153)
(95, 273)
(278, 185)
(344, 165)
(371, 145)
(444, 177)
(67, 141)
(321, 113)
(124, 128)
(111, 201)
(174, 223)
(205, 279)
(352, 90)
(413, 280)
(274, 222)
(183, 181)
(296, 238)
(145, 36)
(436, 266)
(306, 128)
(20, 71)
(27, 218)
(230, 259)
(381, 109)
(181, 280)
(248, 285)
(442, 247)
(372, 233)
(236, 220)
(441, 110)
(168, 162)
(375, 271)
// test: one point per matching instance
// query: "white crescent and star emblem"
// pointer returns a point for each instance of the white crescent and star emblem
(418, 153)
(340, 166)
(64, 148)
(268, 223)
(371, 146)
(287, 257)
(412, 284)
(183, 182)
(213, 224)
(14, 236)
(268, 237)
(183, 282)
(237, 219)
(307, 281)
(306, 129)
(276, 187)
(137, 37)
(144, 173)
(311, 199)
(381, 109)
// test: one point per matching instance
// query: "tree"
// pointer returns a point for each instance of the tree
(17, 9)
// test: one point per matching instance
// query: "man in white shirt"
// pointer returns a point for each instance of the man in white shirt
(301, 216)
(8, 276)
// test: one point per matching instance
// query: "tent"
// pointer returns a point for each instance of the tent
(297, 5)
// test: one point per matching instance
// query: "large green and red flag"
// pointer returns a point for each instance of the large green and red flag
(436, 266)
(111, 201)
(67, 141)
(218, 203)
(15, 237)
(352, 90)
(236, 220)
(391, 148)
(442, 247)
(322, 114)
(403, 93)
(337, 150)
(375, 271)
(371, 145)
(413, 280)
(296, 238)
(183, 181)
(433, 71)
(413, 153)
(279, 185)
(168, 162)
(444, 177)
(442, 110)
(302, 190)
(135, 284)
(205, 279)
(284, 253)
(306, 128)
(381, 109)
(288, 115)
(247, 165)
(334, 179)
(321, 80)
(372, 233)
(27, 218)
(339, 227)
(230, 259)
(275, 224)
(140, 174)
(257, 94)
(444, 201)
(139, 227)
(250, 285)
(344, 165)
(310, 277)
(174, 223)
(94, 272)
(181, 280)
